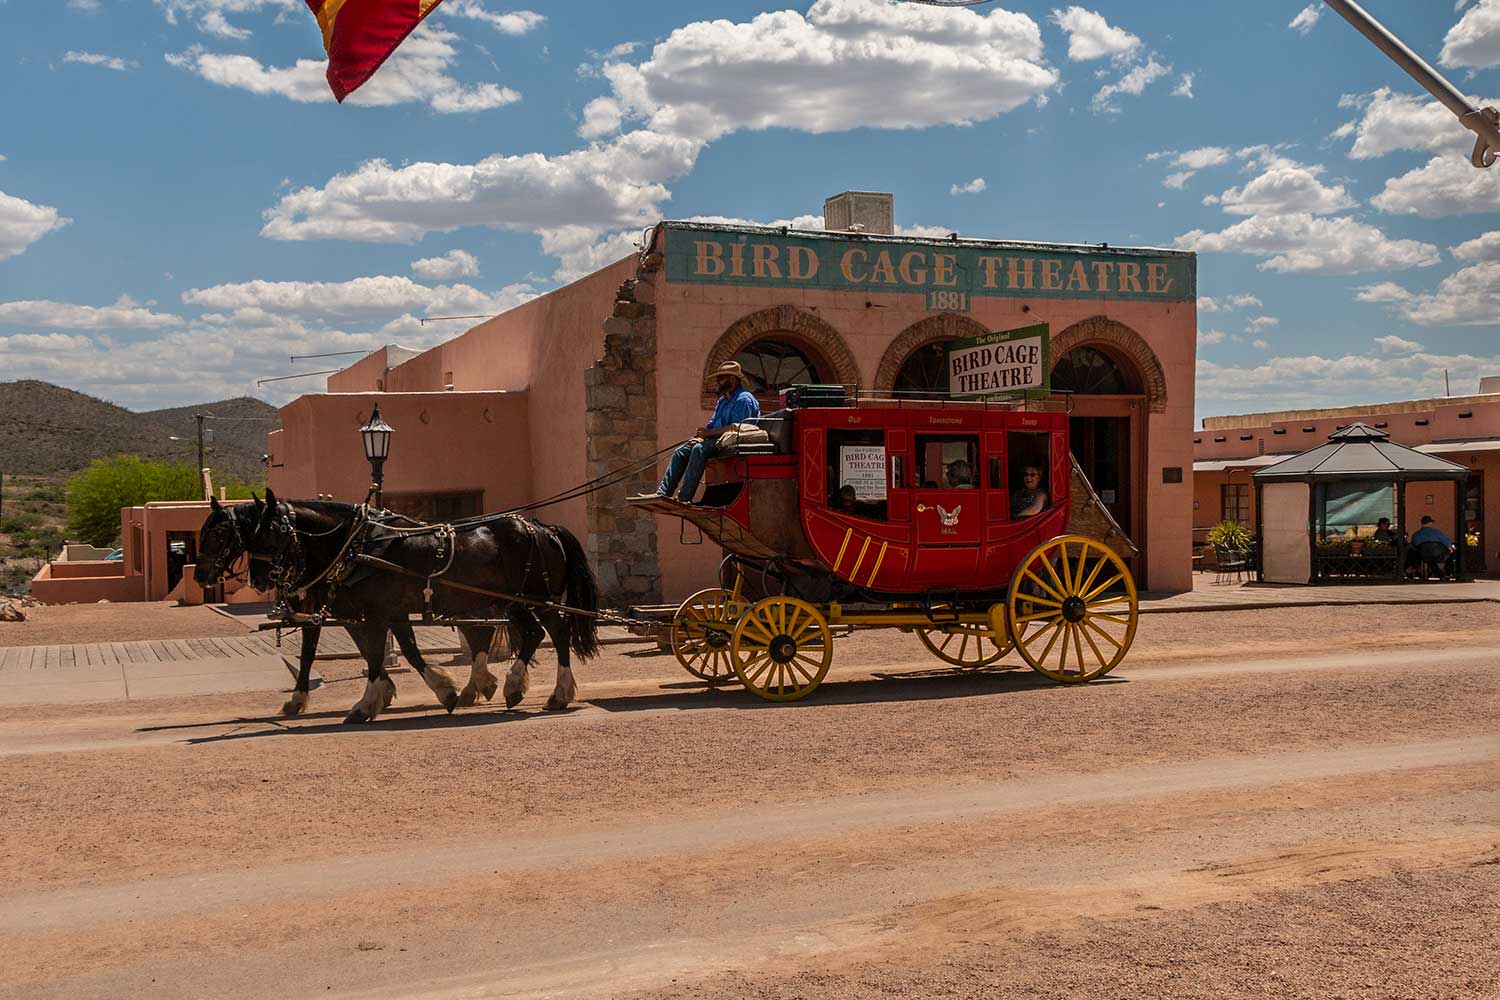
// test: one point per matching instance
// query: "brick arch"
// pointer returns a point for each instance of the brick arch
(786, 322)
(943, 326)
(1123, 344)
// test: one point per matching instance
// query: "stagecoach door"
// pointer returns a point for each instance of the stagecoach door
(947, 510)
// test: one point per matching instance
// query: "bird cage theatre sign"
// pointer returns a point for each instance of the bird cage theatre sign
(950, 276)
(1006, 362)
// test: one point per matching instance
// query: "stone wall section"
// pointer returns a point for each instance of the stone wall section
(620, 425)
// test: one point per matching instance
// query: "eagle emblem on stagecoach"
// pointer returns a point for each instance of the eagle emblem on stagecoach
(948, 518)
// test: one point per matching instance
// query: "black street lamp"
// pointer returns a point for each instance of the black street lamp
(376, 436)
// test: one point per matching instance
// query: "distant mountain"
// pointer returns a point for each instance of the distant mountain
(47, 430)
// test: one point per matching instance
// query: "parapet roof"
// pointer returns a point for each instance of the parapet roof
(934, 241)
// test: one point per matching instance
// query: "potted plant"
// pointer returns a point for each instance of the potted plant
(1231, 535)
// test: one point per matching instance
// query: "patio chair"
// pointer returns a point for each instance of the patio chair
(1434, 560)
(1236, 561)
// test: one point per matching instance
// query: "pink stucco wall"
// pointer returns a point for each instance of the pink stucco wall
(443, 442)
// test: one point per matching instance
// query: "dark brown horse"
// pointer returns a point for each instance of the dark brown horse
(313, 545)
(224, 542)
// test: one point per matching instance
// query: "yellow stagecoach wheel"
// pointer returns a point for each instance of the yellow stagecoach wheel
(969, 646)
(1072, 609)
(703, 630)
(782, 648)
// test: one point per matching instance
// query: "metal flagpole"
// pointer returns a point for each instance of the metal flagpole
(1484, 122)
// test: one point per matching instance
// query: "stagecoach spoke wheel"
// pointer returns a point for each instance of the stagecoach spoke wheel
(703, 631)
(968, 646)
(782, 648)
(1072, 609)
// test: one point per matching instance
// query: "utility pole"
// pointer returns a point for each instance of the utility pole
(1483, 122)
(202, 486)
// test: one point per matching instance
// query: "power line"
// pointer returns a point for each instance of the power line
(333, 354)
(433, 319)
(283, 378)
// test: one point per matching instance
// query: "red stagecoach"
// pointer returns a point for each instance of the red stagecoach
(872, 510)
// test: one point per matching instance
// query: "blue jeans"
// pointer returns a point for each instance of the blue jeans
(686, 467)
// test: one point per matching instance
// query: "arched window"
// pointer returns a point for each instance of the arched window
(1089, 371)
(773, 365)
(924, 370)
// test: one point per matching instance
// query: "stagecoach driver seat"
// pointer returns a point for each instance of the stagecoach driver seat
(736, 404)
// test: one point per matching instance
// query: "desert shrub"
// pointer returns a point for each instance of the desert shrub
(95, 495)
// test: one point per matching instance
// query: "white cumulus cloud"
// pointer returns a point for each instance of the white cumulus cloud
(1475, 40)
(1285, 186)
(844, 64)
(515, 22)
(22, 223)
(1304, 243)
(1397, 345)
(972, 187)
(416, 73)
(124, 314)
(453, 264)
(1306, 19)
(1133, 83)
(1485, 247)
(1468, 297)
(95, 59)
(1090, 36)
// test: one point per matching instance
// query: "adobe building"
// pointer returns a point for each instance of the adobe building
(606, 371)
(159, 547)
(1461, 429)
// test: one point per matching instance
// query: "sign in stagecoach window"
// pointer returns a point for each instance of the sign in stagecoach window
(1003, 362)
(863, 467)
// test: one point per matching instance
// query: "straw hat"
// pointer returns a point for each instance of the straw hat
(729, 368)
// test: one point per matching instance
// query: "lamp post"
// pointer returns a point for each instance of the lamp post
(376, 436)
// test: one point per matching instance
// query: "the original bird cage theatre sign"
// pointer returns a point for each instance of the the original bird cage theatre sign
(1003, 362)
(613, 371)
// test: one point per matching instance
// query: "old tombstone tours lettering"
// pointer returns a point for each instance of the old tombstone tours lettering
(949, 277)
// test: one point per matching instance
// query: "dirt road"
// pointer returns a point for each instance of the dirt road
(1229, 817)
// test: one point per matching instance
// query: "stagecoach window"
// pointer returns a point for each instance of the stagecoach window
(1089, 371)
(857, 473)
(1028, 451)
(925, 370)
(773, 365)
(948, 462)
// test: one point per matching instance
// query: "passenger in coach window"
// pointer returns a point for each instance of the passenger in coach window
(1031, 498)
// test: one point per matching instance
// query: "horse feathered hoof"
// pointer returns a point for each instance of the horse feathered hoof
(555, 704)
(293, 707)
(513, 698)
(355, 717)
(468, 697)
(450, 700)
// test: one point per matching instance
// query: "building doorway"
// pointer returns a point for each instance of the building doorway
(1107, 430)
(1473, 525)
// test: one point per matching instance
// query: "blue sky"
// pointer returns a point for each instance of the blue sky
(182, 205)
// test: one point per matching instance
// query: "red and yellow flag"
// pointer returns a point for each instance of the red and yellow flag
(359, 34)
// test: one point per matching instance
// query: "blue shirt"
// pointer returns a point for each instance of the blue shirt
(734, 409)
(1431, 534)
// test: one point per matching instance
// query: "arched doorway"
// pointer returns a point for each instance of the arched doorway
(1115, 382)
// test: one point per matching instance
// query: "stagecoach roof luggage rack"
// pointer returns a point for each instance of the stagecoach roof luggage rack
(823, 396)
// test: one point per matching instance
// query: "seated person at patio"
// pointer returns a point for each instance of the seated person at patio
(958, 475)
(1383, 531)
(736, 404)
(1429, 533)
(1031, 498)
(844, 499)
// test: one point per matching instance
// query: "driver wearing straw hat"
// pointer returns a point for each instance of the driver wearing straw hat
(736, 404)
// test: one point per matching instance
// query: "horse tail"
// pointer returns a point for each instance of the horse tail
(583, 593)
